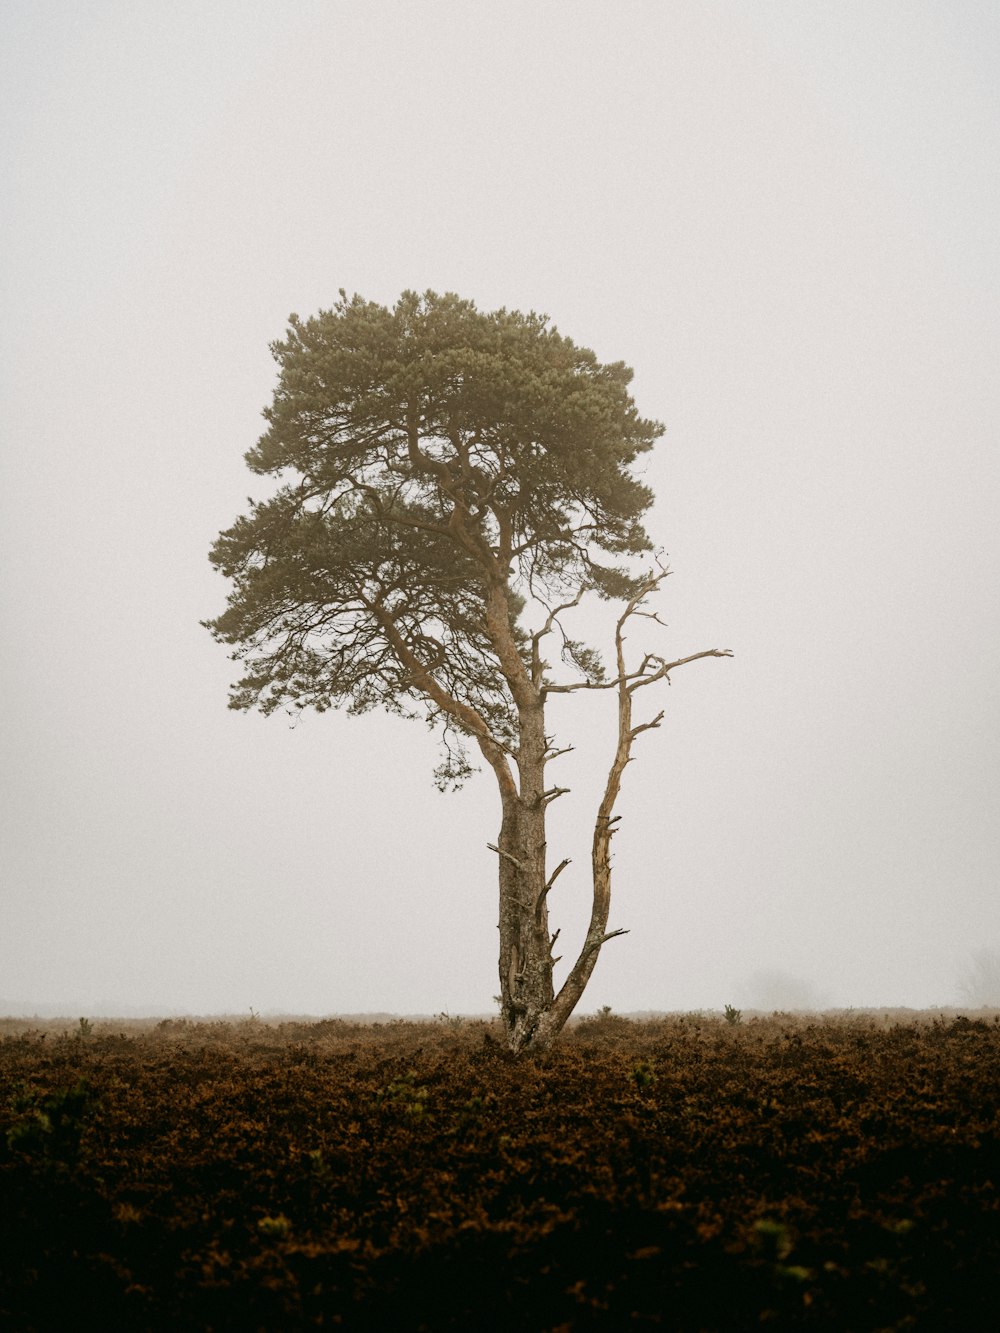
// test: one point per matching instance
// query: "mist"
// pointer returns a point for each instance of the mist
(784, 217)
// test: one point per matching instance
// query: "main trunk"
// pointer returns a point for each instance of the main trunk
(526, 990)
(525, 944)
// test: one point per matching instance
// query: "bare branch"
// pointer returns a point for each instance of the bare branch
(637, 679)
(553, 794)
(537, 665)
(494, 751)
(554, 754)
(646, 726)
(588, 685)
(555, 875)
(554, 613)
(506, 855)
(594, 945)
(543, 896)
(667, 667)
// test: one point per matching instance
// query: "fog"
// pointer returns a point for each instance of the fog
(784, 216)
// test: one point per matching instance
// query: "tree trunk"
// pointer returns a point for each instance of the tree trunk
(526, 990)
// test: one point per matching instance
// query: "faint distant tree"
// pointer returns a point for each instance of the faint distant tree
(979, 983)
(452, 484)
(773, 990)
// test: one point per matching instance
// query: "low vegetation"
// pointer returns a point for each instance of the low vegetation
(688, 1173)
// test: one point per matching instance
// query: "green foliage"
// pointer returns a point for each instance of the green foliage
(733, 1016)
(431, 457)
(774, 1241)
(406, 1095)
(644, 1075)
(469, 1118)
(772, 1238)
(320, 1166)
(53, 1125)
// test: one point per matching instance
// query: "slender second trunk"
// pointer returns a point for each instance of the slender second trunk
(563, 1004)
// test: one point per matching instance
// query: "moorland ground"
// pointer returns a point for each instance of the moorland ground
(685, 1173)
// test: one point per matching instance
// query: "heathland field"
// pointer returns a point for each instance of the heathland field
(686, 1173)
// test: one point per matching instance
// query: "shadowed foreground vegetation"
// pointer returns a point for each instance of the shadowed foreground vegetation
(686, 1173)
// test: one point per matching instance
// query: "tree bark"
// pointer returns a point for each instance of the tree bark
(526, 990)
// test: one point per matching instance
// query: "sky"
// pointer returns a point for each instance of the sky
(783, 215)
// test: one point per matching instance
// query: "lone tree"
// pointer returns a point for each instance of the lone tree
(453, 483)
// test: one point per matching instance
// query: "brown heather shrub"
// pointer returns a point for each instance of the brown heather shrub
(680, 1172)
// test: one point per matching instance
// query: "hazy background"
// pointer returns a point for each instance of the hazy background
(783, 215)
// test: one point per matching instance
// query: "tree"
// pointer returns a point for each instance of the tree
(980, 979)
(453, 483)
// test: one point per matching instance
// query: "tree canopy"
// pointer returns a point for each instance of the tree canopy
(427, 454)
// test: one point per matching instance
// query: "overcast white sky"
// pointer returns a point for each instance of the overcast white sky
(784, 215)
